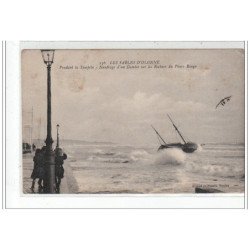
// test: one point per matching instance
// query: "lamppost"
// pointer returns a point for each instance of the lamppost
(49, 181)
(57, 134)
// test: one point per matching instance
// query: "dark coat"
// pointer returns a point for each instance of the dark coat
(59, 167)
(39, 163)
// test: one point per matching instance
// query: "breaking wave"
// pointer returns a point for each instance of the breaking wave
(215, 170)
(173, 156)
(165, 157)
(139, 155)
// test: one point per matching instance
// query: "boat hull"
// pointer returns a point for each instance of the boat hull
(188, 147)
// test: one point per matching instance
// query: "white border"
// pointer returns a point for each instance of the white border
(14, 199)
(131, 45)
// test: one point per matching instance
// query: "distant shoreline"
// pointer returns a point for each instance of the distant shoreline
(63, 141)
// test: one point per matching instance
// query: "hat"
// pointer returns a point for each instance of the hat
(59, 152)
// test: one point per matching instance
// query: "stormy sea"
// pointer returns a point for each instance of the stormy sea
(112, 168)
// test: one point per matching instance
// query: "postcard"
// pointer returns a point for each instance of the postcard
(127, 120)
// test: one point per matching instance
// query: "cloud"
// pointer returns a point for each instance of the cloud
(142, 104)
(121, 105)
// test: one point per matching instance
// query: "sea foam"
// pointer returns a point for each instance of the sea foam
(173, 156)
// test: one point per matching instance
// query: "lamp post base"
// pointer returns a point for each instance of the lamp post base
(49, 180)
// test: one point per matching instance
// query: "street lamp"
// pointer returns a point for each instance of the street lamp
(49, 181)
(57, 134)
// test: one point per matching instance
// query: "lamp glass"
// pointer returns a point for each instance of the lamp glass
(48, 56)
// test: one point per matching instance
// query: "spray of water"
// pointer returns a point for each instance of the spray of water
(172, 156)
(140, 155)
(199, 149)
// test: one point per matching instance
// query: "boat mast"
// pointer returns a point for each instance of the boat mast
(158, 134)
(177, 129)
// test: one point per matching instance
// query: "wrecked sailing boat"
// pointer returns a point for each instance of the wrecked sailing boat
(187, 147)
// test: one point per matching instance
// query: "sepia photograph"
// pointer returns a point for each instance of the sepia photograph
(133, 121)
(125, 125)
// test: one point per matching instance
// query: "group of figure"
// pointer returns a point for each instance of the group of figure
(39, 171)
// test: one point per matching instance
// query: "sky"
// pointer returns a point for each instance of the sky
(119, 105)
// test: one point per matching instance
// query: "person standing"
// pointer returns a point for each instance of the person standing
(60, 157)
(38, 170)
